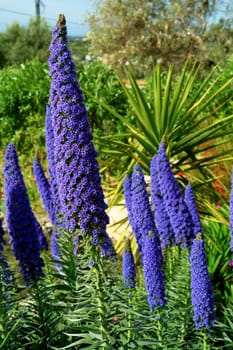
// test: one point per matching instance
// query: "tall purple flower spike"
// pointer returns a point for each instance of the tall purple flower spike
(140, 207)
(231, 213)
(153, 272)
(192, 207)
(173, 198)
(128, 266)
(201, 290)
(44, 189)
(79, 184)
(128, 204)
(22, 227)
(160, 214)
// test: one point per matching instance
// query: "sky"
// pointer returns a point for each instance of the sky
(75, 12)
(21, 11)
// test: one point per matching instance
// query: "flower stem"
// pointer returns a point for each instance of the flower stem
(101, 307)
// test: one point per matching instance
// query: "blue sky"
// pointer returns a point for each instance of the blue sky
(74, 10)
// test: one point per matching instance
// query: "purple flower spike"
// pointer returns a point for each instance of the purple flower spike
(128, 266)
(192, 207)
(175, 205)
(77, 172)
(231, 213)
(22, 227)
(153, 272)
(44, 188)
(160, 214)
(55, 249)
(128, 204)
(201, 289)
(140, 207)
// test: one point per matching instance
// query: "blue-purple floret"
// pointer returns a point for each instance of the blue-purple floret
(44, 188)
(201, 290)
(160, 214)
(140, 208)
(21, 220)
(128, 268)
(231, 213)
(128, 203)
(153, 272)
(79, 184)
(173, 198)
(192, 207)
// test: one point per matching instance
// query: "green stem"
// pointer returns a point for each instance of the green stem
(159, 327)
(205, 340)
(129, 333)
(101, 308)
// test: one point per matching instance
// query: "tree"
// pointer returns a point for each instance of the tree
(19, 44)
(142, 32)
(219, 40)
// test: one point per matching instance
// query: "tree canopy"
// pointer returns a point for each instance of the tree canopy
(142, 32)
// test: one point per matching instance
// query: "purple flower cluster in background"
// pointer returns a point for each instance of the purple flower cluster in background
(201, 289)
(128, 204)
(140, 207)
(128, 266)
(43, 186)
(174, 202)
(22, 226)
(192, 207)
(153, 271)
(147, 236)
(160, 214)
(77, 172)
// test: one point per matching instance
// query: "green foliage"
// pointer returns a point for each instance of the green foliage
(83, 306)
(217, 240)
(23, 95)
(101, 81)
(19, 44)
(173, 110)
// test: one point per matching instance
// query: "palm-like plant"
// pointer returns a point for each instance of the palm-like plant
(182, 111)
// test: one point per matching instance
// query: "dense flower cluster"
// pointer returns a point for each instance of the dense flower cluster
(128, 267)
(231, 213)
(192, 207)
(140, 207)
(128, 204)
(153, 272)
(43, 187)
(173, 198)
(160, 214)
(79, 184)
(22, 227)
(201, 289)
